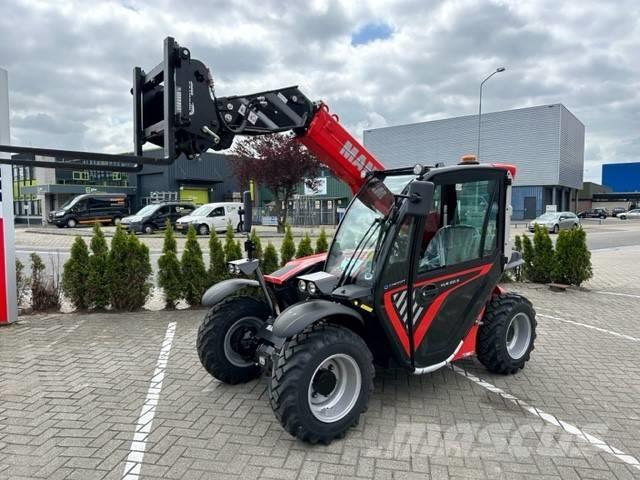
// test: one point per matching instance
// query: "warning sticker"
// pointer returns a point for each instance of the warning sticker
(282, 97)
(242, 110)
(253, 118)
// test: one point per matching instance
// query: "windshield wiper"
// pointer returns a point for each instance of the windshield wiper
(360, 246)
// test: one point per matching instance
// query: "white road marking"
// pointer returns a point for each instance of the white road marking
(617, 294)
(145, 421)
(553, 420)
(592, 327)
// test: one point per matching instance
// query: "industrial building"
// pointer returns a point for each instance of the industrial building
(208, 179)
(545, 143)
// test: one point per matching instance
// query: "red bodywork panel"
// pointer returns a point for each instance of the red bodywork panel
(338, 149)
(294, 267)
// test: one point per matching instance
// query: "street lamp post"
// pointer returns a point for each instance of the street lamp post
(498, 70)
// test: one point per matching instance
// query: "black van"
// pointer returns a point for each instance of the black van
(91, 208)
(154, 217)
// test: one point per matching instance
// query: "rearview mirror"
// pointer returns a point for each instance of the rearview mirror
(419, 197)
(247, 217)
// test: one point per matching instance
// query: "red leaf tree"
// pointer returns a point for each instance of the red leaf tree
(279, 163)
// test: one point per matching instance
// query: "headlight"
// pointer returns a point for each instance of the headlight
(302, 286)
(311, 287)
(60, 214)
(232, 269)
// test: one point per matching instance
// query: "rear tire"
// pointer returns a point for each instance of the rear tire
(224, 339)
(507, 334)
(116, 220)
(321, 382)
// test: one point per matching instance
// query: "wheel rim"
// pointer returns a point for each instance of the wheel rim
(117, 220)
(203, 230)
(239, 339)
(518, 335)
(148, 229)
(71, 223)
(334, 388)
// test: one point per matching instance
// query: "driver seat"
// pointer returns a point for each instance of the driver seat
(454, 244)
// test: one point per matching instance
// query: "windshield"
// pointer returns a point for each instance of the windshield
(202, 211)
(547, 216)
(354, 247)
(148, 210)
(69, 203)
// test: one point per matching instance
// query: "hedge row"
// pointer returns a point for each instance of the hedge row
(120, 277)
(568, 263)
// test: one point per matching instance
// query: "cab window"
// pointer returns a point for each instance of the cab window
(461, 225)
(217, 212)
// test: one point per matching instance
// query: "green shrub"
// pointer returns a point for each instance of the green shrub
(217, 265)
(257, 244)
(128, 272)
(22, 282)
(232, 250)
(98, 283)
(75, 274)
(527, 256)
(572, 258)
(169, 271)
(288, 247)
(304, 247)
(270, 259)
(543, 258)
(45, 290)
(322, 245)
(140, 270)
(194, 274)
(517, 245)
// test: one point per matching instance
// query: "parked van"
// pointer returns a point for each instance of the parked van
(212, 216)
(91, 208)
(154, 216)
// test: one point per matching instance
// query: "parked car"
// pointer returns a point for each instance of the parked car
(594, 213)
(154, 217)
(617, 211)
(91, 208)
(212, 216)
(631, 214)
(555, 221)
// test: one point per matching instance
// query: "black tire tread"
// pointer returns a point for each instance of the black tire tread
(214, 326)
(289, 367)
(490, 347)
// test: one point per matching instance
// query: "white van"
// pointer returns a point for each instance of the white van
(212, 216)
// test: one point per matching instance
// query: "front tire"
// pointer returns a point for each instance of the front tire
(148, 229)
(226, 339)
(321, 382)
(72, 223)
(556, 229)
(507, 334)
(203, 229)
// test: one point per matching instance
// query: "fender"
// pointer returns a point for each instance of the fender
(225, 288)
(299, 316)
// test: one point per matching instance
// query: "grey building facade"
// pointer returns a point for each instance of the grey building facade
(545, 143)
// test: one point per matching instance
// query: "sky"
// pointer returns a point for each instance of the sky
(376, 63)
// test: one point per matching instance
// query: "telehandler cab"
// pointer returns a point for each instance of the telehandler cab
(410, 279)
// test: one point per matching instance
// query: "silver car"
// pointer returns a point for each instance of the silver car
(556, 221)
(631, 214)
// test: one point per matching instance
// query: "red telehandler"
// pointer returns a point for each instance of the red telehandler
(410, 280)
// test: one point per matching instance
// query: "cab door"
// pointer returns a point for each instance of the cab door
(441, 268)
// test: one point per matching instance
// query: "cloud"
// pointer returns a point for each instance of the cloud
(383, 62)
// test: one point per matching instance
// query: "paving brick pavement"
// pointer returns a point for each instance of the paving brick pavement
(72, 386)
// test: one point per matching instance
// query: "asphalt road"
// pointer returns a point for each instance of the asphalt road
(611, 234)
